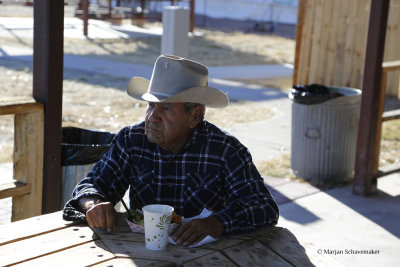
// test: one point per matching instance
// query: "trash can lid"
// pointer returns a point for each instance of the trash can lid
(82, 146)
(312, 94)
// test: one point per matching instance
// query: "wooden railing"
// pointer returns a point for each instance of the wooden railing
(386, 116)
(27, 185)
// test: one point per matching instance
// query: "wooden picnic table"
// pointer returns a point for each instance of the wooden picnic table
(48, 240)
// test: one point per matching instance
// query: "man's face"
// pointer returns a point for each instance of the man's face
(168, 125)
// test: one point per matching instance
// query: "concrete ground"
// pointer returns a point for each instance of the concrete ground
(338, 222)
(335, 221)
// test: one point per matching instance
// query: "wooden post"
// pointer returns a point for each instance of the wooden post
(109, 9)
(28, 162)
(141, 19)
(85, 16)
(365, 174)
(192, 16)
(47, 88)
(299, 31)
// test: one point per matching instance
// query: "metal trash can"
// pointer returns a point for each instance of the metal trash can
(80, 151)
(324, 136)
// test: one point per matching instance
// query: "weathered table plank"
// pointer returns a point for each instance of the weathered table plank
(212, 259)
(122, 234)
(257, 233)
(253, 253)
(48, 240)
(32, 227)
(82, 255)
(128, 262)
(285, 244)
(223, 242)
(320, 260)
(44, 244)
(138, 250)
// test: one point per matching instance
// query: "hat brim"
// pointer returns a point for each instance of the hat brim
(209, 96)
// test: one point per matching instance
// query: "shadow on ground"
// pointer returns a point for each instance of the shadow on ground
(382, 208)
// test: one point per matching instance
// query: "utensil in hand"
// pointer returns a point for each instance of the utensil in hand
(121, 199)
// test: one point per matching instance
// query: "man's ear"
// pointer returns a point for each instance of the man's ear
(197, 115)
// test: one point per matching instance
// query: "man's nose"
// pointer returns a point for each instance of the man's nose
(154, 114)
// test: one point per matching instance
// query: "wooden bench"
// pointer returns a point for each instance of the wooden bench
(27, 185)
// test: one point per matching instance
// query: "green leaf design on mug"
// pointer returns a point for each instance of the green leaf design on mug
(165, 220)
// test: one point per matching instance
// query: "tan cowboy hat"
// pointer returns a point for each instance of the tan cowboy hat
(177, 79)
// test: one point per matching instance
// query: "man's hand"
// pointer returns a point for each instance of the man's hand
(196, 230)
(100, 215)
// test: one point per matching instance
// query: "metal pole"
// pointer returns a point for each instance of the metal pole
(365, 176)
(47, 88)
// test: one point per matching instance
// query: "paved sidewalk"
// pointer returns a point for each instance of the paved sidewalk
(73, 28)
(357, 231)
(126, 70)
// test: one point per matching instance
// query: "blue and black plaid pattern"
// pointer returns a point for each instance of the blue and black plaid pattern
(213, 170)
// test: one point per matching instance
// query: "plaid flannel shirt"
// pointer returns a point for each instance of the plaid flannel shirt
(213, 170)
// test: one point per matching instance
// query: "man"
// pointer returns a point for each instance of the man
(175, 157)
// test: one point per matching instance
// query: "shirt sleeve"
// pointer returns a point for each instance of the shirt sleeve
(249, 202)
(111, 171)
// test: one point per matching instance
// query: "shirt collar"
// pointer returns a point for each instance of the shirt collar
(199, 135)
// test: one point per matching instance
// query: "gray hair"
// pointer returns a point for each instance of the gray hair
(188, 106)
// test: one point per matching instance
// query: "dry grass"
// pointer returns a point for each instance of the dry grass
(282, 83)
(99, 102)
(109, 108)
(390, 145)
(239, 112)
(212, 49)
(280, 167)
(277, 167)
